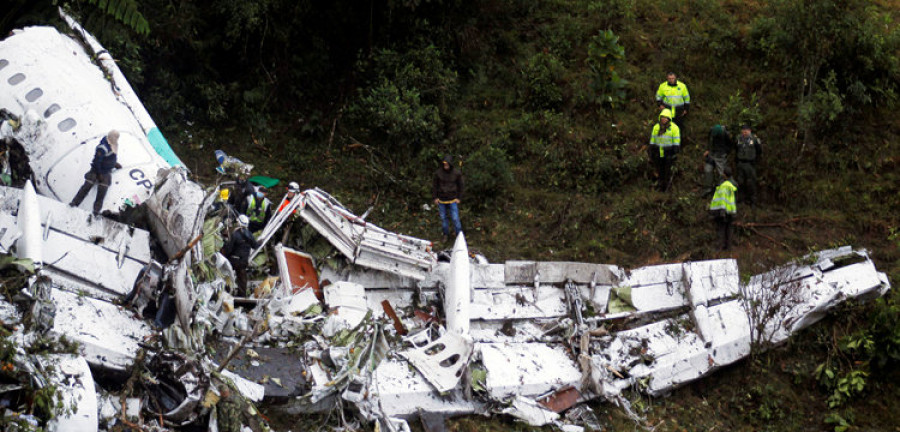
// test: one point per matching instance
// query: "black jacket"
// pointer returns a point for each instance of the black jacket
(105, 160)
(448, 184)
(239, 245)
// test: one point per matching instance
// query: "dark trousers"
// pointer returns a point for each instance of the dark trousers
(724, 229)
(746, 178)
(240, 272)
(90, 179)
(663, 166)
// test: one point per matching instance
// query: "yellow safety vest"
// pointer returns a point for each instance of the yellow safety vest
(671, 138)
(257, 214)
(724, 198)
(673, 96)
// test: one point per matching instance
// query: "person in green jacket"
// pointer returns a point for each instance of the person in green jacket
(723, 208)
(665, 142)
(715, 158)
(747, 154)
(674, 95)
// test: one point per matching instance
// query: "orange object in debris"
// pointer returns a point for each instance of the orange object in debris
(302, 271)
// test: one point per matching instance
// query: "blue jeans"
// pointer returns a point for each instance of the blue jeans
(453, 209)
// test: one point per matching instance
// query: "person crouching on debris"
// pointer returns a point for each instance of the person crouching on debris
(665, 142)
(259, 209)
(723, 208)
(104, 162)
(447, 191)
(237, 250)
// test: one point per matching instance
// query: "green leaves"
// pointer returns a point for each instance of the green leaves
(605, 58)
(125, 11)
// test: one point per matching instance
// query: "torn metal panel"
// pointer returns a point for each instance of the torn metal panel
(184, 294)
(520, 331)
(711, 280)
(348, 301)
(85, 251)
(401, 391)
(176, 209)
(666, 352)
(109, 336)
(278, 219)
(518, 302)
(726, 330)
(530, 412)
(363, 243)
(297, 270)
(371, 279)
(527, 369)
(75, 385)
(557, 272)
(441, 361)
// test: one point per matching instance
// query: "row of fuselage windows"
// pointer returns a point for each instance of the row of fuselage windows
(36, 93)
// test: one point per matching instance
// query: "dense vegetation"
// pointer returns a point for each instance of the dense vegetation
(549, 105)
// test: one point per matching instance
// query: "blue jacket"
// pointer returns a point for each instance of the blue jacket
(104, 158)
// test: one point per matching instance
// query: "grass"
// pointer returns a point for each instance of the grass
(582, 189)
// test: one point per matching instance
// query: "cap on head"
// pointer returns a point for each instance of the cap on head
(243, 220)
(293, 187)
(745, 126)
(113, 137)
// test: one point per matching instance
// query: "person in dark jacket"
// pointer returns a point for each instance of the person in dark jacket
(237, 250)
(100, 174)
(447, 191)
(716, 157)
(747, 156)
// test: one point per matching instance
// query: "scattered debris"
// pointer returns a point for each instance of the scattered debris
(375, 322)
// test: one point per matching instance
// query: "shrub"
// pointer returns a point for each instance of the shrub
(487, 175)
(605, 58)
(542, 75)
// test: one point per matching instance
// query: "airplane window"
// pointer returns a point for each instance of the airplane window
(3, 63)
(17, 78)
(66, 125)
(34, 94)
(52, 109)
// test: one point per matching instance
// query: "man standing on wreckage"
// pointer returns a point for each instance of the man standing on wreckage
(104, 162)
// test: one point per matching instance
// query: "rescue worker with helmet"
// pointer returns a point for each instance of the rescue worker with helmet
(673, 95)
(723, 208)
(258, 209)
(665, 143)
(237, 250)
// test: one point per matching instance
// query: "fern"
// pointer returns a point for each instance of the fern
(125, 11)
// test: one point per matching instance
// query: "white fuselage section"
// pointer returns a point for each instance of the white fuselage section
(66, 105)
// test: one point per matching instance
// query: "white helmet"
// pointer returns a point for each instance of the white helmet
(243, 220)
(293, 187)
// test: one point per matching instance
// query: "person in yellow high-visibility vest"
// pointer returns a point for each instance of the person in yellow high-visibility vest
(674, 95)
(665, 143)
(723, 208)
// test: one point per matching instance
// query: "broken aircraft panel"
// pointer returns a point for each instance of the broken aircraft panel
(482, 337)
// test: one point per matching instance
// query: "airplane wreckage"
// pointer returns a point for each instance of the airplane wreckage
(362, 318)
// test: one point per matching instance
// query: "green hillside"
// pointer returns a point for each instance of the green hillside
(549, 105)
